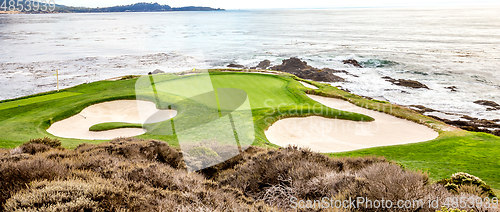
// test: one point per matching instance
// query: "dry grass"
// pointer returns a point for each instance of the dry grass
(147, 175)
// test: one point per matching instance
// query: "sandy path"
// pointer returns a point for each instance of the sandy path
(335, 135)
(307, 85)
(127, 111)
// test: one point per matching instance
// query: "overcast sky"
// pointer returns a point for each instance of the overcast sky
(271, 4)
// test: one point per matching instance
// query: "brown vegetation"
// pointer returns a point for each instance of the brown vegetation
(137, 175)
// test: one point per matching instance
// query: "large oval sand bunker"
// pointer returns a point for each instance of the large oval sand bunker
(126, 111)
(336, 135)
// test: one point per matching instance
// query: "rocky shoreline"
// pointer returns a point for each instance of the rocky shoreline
(301, 69)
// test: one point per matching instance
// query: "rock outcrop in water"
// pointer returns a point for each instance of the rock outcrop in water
(492, 104)
(406, 83)
(300, 68)
(464, 122)
(263, 65)
(352, 62)
(452, 88)
(158, 71)
(232, 65)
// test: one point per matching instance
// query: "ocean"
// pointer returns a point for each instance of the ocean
(439, 47)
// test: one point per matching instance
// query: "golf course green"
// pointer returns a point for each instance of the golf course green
(272, 97)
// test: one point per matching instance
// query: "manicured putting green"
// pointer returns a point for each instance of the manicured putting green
(263, 91)
(37, 99)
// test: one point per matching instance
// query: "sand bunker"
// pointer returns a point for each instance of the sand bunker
(127, 111)
(335, 135)
(307, 85)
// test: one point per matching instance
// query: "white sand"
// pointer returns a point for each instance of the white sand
(307, 85)
(335, 135)
(127, 111)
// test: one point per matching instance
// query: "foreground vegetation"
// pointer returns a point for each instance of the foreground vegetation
(149, 175)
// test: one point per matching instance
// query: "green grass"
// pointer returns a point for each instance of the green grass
(271, 97)
(112, 126)
(25, 122)
(23, 102)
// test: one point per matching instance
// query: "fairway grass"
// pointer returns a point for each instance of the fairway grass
(23, 102)
(272, 97)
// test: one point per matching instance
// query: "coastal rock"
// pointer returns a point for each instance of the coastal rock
(452, 88)
(292, 65)
(300, 68)
(264, 64)
(232, 65)
(422, 109)
(352, 62)
(405, 83)
(488, 103)
(158, 71)
(465, 122)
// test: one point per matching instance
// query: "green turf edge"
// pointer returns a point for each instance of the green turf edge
(113, 125)
(23, 102)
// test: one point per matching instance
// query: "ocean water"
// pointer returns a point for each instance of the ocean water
(439, 47)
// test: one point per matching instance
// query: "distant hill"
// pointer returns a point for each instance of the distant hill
(137, 7)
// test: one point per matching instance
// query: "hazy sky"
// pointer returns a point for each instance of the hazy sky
(270, 4)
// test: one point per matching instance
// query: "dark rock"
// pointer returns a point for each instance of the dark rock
(158, 71)
(452, 88)
(488, 103)
(352, 62)
(292, 65)
(235, 66)
(423, 109)
(300, 68)
(264, 64)
(150, 73)
(470, 123)
(405, 83)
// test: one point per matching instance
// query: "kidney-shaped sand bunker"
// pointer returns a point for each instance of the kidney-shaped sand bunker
(126, 111)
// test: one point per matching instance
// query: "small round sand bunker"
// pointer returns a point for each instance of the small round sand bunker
(126, 111)
(336, 135)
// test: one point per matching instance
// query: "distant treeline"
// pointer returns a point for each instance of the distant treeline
(23, 6)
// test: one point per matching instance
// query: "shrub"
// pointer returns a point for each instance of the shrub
(214, 171)
(54, 143)
(33, 148)
(445, 209)
(146, 175)
(133, 148)
(291, 166)
(15, 175)
(79, 195)
(460, 179)
(201, 150)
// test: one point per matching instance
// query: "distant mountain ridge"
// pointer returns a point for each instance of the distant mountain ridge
(137, 7)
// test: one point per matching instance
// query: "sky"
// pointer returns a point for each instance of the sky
(284, 4)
